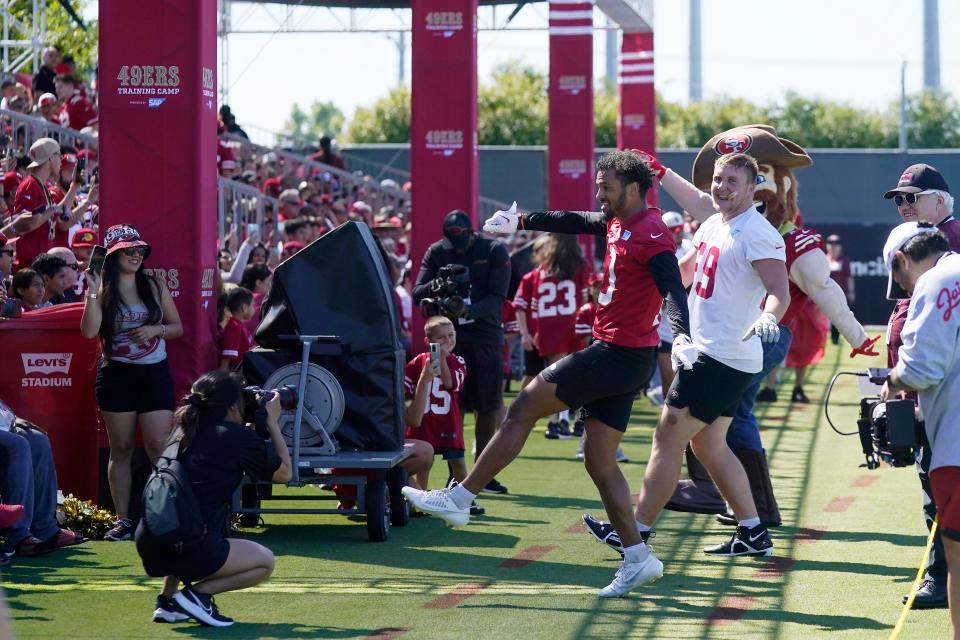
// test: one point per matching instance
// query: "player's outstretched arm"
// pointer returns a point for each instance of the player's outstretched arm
(574, 222)
(695, 202)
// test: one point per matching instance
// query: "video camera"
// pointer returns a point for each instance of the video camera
(255, 402)
(889, 431)
(448, 292)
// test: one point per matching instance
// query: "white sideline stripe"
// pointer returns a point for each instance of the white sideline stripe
(626, 68)
(571, 15)
(636, 55)
(636, 80)
(571, 31)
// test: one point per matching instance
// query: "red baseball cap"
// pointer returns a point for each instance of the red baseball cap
(293, 246)
(11, 180)
(123, 236)
(46, 100)
(84, 238)
(68, 160)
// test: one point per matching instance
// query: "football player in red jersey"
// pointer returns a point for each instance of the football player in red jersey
(640, 270)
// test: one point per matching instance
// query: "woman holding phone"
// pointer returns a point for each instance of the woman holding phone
(134, 315)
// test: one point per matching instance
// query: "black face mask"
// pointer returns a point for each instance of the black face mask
(458, 235)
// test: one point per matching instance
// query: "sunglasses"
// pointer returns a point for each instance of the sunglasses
(131, 252)
(909, 198)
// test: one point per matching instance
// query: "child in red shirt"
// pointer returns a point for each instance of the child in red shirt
(433, 414)
(236, 339)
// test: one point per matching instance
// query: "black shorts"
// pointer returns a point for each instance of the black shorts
(603, 379)
(122, 387)
(193, 564)
(483, 389)
(452, 454)
(710, 390)
(533, 363)
(665, 347)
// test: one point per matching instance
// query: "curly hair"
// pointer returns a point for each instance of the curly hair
(561, 256)
(628, 167)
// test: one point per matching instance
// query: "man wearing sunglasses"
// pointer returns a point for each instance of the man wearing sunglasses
(922, 195)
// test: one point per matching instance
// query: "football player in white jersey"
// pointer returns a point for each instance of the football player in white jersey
(739, 258)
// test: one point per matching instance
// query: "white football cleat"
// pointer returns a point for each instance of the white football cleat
(437, 503)
(631, 575)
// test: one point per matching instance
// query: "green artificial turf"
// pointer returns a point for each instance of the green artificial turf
(837, 573)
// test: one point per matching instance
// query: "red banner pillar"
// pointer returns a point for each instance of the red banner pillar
(158, 167)
(443, 127)
(637, 124)
(570, 143)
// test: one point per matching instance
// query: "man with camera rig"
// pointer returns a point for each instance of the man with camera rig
(921, 265)
(922, 195)
(465, 277)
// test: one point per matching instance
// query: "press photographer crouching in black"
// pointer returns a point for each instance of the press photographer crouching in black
(921, 264)
(483, 284)
(216, 450)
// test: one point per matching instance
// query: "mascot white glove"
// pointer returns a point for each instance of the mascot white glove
(684, 353)
(503, 222)
(765, 328)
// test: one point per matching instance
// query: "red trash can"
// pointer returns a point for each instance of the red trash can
(47, 377)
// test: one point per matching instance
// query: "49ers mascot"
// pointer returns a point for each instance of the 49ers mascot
(810, 284)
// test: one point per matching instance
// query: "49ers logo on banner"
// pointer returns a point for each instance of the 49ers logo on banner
(739, 143)
(446, 142)
(170, 277)
(573, 168)
(445, 23)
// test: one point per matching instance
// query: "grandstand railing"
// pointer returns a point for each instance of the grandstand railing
(27, 129)
(338, 183)
(242, 209)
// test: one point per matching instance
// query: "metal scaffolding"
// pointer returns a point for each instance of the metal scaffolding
(33, 36)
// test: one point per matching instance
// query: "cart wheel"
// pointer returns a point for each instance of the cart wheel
(378, 509)
(399, 507)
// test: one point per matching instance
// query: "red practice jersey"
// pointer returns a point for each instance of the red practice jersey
(235, 342)
(441, 425)
(31, 196)
(509, 318)
(526, 300)
(557, 301)
(628, 307)
(583, 326)
(78, 112)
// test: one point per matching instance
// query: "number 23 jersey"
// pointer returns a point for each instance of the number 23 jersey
(727, 291)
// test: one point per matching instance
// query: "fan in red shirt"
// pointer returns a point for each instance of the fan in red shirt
(236, 339)
(525, 310)
(434, 413)
(640, 270)
(38, 216)
(587, 313)
(78, 112)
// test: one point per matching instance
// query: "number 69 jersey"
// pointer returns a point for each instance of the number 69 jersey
(726, 293)
(628, 306)
(441, 425)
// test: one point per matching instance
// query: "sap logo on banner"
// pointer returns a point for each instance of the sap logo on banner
(573, 168)
(46, 364)
(153, 103)
(573, 84)
(169, 276)
(634, 120)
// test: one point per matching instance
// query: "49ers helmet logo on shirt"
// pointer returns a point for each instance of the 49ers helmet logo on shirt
(736, 143)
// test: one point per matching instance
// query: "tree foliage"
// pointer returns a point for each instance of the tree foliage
(512, 110)
(63, 32)
(323, 118)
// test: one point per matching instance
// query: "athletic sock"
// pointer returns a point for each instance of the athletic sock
(461, 496)
(636, 553)
(643, 527)
(750, 524)
(565, 415)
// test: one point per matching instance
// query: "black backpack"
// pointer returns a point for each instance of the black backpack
(171, 512)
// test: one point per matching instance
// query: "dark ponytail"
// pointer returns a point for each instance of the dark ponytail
(207, 404)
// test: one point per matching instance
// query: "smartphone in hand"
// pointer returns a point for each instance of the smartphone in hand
(97, 256)
(435, 355)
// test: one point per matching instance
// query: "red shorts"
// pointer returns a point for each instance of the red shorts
(945, 482)
(810, 328)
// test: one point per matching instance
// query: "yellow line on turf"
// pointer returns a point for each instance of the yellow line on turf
(916, 583)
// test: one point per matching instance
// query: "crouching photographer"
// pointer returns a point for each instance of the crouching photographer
(215, 451)
(922, 266)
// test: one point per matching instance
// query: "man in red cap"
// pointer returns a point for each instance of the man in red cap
(49, 107)
(10, 182)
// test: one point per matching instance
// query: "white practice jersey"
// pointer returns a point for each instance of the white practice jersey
(727, 291)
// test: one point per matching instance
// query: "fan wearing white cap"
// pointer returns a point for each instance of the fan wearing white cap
(922, 266)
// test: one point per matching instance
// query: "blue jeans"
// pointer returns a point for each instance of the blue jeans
(744, 432)
(31, 480)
